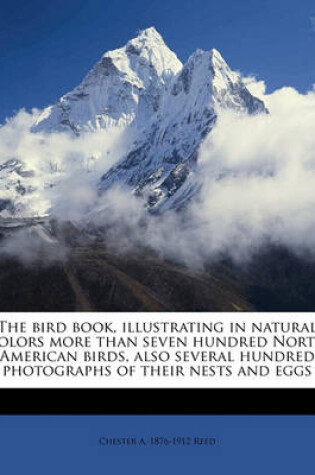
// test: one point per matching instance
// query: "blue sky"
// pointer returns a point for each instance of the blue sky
(47, 46)
(246, 445)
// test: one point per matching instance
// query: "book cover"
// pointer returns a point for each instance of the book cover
(157, 262)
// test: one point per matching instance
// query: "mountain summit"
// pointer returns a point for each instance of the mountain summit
(170, 108)
(124, 87)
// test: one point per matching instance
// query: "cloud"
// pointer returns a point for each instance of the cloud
(55, 174)
(255, 87)
(312, 20)
(257, 177)
(33, 244)
(256, 173)
(64, 168)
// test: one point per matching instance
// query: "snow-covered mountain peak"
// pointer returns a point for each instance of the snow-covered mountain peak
(147, 57)
(148, 38)
(161, 166)
(209, 82)
(216, 55)
(171, 108)
(124, 87)
(150, 32)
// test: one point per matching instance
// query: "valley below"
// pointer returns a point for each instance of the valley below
(90, 277)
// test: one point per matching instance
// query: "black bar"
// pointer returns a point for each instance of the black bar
(157, 401)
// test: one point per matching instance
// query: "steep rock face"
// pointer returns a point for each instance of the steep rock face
(162, 164)
(124, 87)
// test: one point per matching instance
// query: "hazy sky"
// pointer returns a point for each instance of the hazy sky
(48, 46)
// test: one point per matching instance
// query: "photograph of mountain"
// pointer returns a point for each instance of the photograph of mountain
(169, 178)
